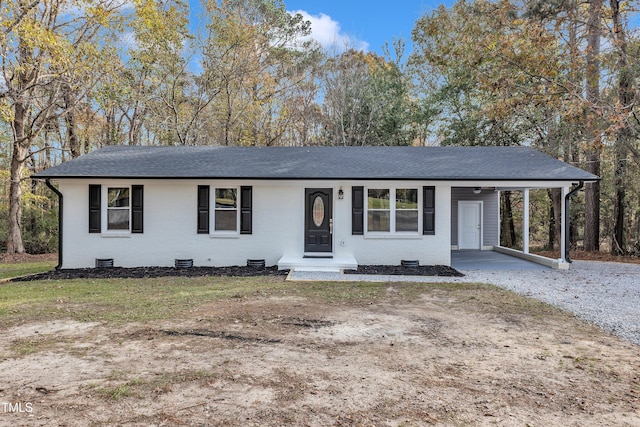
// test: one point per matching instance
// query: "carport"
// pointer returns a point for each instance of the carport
(475, 224)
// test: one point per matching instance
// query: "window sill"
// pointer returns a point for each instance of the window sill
(225, 236)
(391, 236)
(116, 235)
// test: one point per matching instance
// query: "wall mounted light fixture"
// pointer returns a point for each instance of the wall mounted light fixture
(477, 190)
(340, 193)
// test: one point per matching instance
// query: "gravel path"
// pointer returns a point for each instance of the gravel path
(604, 293)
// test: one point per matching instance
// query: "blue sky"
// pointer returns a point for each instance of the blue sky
(362, 24)
(365, 24)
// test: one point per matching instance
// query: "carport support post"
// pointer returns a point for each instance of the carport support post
(525, 221)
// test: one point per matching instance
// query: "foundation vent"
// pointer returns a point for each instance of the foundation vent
(410, 263)
(256, 263)
(184, 263)
(104, 262)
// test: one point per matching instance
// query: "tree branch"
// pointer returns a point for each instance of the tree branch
(19, 19)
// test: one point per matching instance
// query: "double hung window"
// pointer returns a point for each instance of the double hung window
(392, 210)
(230, 207)
(378, 210)
(118, 208)
(226, 210)
(406, 209)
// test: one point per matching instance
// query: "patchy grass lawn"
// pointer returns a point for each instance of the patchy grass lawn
(9, 270)
(120, 300)
(142, 300)
(263, 351)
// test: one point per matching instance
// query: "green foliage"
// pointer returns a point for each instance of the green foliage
(40, 224)
(495, 78)
(39, 216)
(261, 65)
(367, 101)
(39, 229)
(499, 72)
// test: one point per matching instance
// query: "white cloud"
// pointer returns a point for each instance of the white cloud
(328, 33)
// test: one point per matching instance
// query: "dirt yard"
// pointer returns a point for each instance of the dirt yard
(446, 357)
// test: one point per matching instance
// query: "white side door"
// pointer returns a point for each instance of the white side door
(470, 225)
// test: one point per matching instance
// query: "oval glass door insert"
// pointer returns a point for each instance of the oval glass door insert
(318, 211)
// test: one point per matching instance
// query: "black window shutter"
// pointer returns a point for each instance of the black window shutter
(137, 208)
(203, 209)
(429, 210)
(357, 210)
(94, 208)
(246, 207)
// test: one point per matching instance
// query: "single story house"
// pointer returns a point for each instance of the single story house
(295, 207)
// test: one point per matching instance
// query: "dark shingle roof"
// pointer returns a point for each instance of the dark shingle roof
(422, 163)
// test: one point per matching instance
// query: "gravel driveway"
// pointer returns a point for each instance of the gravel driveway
(604, 293)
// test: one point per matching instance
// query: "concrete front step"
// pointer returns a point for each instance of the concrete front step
(334, 264)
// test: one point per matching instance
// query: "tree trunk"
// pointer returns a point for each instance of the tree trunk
(71, 120)
(111, 131)
(623, 135)
(15, 244)
(135, 125)
(594, 141)
(507, 225)
(555, 220)
(618, 243)
(227, 121)
(575, 134)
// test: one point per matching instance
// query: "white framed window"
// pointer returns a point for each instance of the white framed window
(392, 211)
(406, 214)
(226, 215)
(118, 209)
(378, 210)
(224, 211)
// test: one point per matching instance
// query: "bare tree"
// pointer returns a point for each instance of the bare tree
(593, 130)
(623, 135)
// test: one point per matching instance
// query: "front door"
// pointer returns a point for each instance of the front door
(469, 225)
(318, 224)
